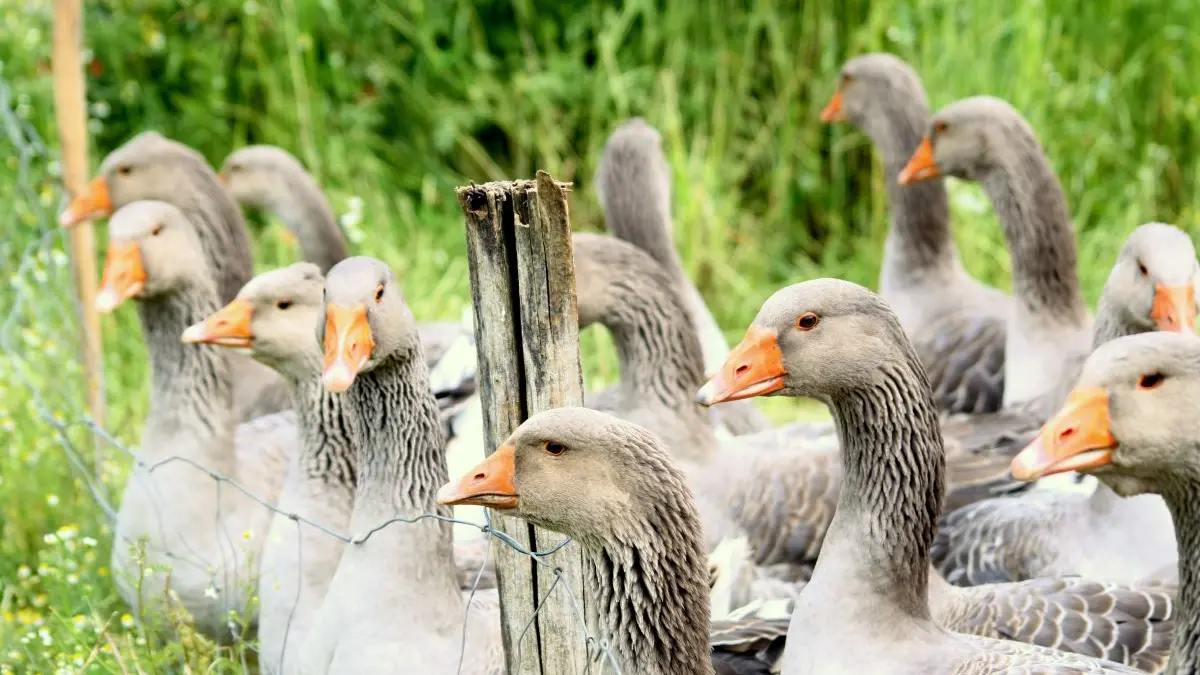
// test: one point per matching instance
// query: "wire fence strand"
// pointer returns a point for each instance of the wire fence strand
(39, 318)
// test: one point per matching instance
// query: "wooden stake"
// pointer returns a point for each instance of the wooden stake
(527, 332)
(70, 108)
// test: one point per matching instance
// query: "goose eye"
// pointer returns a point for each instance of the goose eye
(940, 126)
(124, 170)
(379, 293)
(847, 78)
(807, 321)
(1150, 380)
(156, 230)
(1142, 268)
(555, 448)
(283, 304)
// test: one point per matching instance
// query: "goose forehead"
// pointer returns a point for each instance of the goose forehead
(261, 155)
(301, 279)
(138, 218)
(1119, 361)
(354, 280)
(828, 297)
(878, 64)
(1166, 251)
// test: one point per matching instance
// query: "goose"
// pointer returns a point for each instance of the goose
(1132, 422)
(984, 139)
(1098, 535)
(273, 319)
(612, 486)
(151, 166)
(633, 183)
(394, 602)
(203, 537)
(271, 178)
(956, 324)
(779, 487)
(866, 608)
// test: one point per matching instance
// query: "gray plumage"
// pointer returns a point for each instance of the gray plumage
(956, 324)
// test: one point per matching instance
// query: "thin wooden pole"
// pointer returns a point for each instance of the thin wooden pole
(527, 333)
(70, 112)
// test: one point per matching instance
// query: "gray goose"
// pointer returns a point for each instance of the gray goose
(1132, 422)
(151, 166)
(866, 608)
(272, 319)
(208, 534)
(984, 139)
(956, 324)
(777, 487)
(394, 603)
(269, 177)
(638, 524)
(1151, 287)
(633, 183)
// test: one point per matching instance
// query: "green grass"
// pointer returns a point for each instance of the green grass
(392, 107)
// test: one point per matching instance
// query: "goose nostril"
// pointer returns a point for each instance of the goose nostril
(1066, 433)
(480, 476)
(741, 370)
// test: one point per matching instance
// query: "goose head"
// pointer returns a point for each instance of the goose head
(364, 321)
(869, 86)
(148, 166)
(968, 139)
(256, 175)
(1153, 283)
(1133, 418)
(153, 250)
(809, 339)
(577, 471)
(271, 319)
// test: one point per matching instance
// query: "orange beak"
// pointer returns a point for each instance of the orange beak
(124, 277)
(348, 345)
(833, 111)
(921, 166)
(228, 327)
(490, 483)
(1076, 439)
(1175, 308)
(754, 368)
(93, 202)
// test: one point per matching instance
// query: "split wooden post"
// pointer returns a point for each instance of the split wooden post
(71, 116)
(527, 332)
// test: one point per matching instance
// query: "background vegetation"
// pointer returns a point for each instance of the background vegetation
(393, 105)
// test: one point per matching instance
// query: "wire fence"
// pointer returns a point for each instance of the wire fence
(45, 380)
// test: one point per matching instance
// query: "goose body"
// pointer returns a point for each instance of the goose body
(956, 324)
(394, 603)
(866, 607)
(150, 166)
(273, 318)
(202, 536)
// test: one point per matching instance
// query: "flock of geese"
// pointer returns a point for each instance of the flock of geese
(917, 533)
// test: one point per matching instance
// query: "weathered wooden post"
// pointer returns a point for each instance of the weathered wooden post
(70, 111)
(527, 332)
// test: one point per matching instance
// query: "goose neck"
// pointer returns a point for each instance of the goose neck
(653, 602)
(306, 212)
(1180, 496)
(919, 243)
(402, 460)
(223, 234)
(894, 462)
(1032, 208)
(328, 453)
(190, 385)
